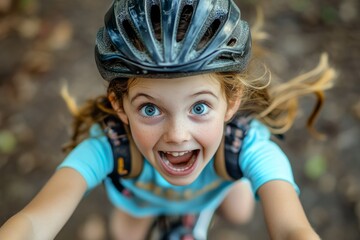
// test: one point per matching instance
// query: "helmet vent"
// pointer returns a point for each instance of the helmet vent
(184, 21)
(132, 36)
(155, 20)
(226, 57)
(232, 42)
(210, 32)
(108, 42)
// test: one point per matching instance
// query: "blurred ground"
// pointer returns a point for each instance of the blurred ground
(44, 44)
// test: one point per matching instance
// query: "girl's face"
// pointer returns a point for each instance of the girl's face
(177, 124)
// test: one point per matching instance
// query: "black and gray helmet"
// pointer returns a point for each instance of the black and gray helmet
(142, 38)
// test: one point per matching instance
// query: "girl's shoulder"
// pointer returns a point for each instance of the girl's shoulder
(259, 139)
(92, 157)
(262, 159)
(258, 131)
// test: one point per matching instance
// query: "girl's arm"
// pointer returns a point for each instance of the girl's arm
(47, 213)
(284, 214)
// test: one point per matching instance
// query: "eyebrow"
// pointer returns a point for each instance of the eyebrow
(141, 95)
(204, 92)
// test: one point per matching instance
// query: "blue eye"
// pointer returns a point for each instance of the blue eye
(149, 110)
(200, 109)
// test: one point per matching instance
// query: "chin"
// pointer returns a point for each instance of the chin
(181, 180)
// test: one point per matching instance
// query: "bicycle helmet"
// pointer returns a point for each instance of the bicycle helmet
(171, 38)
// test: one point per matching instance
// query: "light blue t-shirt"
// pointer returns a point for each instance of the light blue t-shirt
(261, 160)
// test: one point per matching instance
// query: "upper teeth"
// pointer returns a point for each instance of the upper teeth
(177, 154)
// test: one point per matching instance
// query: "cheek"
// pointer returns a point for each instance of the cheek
(143, 138)
(210, 137)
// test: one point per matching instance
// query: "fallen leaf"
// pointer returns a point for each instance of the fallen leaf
(356, 109)
(61, 35)
(29, 27)
(5, 6)
(37, 61)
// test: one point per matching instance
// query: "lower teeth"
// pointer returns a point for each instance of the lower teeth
(182, 168)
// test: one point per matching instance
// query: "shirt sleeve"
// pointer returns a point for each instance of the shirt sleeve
(262, 160)
(92, 158)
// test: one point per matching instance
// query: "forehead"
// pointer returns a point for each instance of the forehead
(205, 80)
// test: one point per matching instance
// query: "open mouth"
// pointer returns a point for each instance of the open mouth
(178, 163)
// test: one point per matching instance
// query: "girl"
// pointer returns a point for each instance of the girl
(178, 77)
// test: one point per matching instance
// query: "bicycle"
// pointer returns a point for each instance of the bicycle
(185, 227)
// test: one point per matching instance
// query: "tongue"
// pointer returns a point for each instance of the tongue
(180, 159)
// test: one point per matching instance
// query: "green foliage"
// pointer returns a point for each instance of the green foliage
(315, 167)
(27, 6)
(329, 14)
(8, 142)
(25, 3)
(300, 6)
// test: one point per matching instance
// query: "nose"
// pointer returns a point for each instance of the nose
(177, 131)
